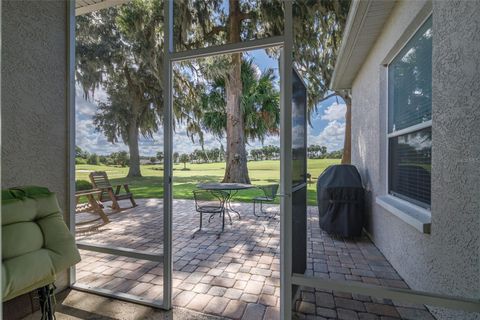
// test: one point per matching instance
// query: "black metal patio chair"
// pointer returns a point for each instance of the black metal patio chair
(270, 194)
(210, 202)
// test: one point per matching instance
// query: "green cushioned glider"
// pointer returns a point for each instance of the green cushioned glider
(36, 243)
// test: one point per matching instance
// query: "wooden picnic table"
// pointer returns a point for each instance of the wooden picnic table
(91, 206)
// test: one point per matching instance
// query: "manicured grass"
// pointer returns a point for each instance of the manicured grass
(184, 181)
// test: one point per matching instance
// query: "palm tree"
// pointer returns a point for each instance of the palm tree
(160, 156)
(259, 112)
(184, 158)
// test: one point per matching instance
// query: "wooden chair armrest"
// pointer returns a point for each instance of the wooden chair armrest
(87, 192)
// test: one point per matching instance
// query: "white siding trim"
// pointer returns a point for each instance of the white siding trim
(364, 24)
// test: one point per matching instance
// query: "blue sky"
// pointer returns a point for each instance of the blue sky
(328, 124)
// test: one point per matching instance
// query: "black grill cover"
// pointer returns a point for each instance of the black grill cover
(340, 198)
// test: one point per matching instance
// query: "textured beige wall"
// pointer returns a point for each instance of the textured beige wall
(34, 96)
(447, 260)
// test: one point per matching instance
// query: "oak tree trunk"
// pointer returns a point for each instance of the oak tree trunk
(132, 131)
(134, 165)
(347, 144)
(236, 163)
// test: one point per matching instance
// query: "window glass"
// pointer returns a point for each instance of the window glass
(410, 82)
(410, 166)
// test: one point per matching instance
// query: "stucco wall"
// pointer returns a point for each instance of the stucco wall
(34, 96)
(447, 260)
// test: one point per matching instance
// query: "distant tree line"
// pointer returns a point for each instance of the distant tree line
(270, 152)
(335, 154)
(120, 158)
(315, 151)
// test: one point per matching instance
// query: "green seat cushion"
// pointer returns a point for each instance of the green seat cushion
(36, 243)
(24, 273)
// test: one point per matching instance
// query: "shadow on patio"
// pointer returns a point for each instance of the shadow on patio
(238, 275)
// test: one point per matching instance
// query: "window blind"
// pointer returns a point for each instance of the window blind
(410, 166)
(410, 81)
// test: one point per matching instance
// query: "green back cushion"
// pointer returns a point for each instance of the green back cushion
(21, 238)
(36, 243)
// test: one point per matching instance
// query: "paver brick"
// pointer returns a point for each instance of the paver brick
(254, 287)
(327, 313)
(234, 309)
(268, 300)
(223, 282)
(233, 293)
(381, 309)
(261, 272)
(242, 276)
(305, 307)
(350, 304)
(240, 284)
(183, 298)
(249, 297)
(216, 305)
(140, 288)
(201, 288)
(367, 316)
(344, 314)
(217, 291)
(233, 267)
(268, 289)
(186, 286)
(254, 311)
(272, 313)
(199, 302)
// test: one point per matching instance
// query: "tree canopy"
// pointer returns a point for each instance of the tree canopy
(259, 103)
(121, 50)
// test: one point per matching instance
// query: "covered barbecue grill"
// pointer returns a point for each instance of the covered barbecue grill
(340, 198)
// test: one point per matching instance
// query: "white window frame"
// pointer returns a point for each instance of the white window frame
(389, 135)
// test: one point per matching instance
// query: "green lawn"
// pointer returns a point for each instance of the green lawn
(184, 181)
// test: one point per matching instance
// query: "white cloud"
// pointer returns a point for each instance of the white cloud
(332, 136)
(334, 112)
(417, 141)
(84, 107)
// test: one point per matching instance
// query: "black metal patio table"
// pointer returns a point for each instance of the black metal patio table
(228, 189)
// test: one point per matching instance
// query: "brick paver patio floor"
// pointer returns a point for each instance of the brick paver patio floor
(237, 275)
